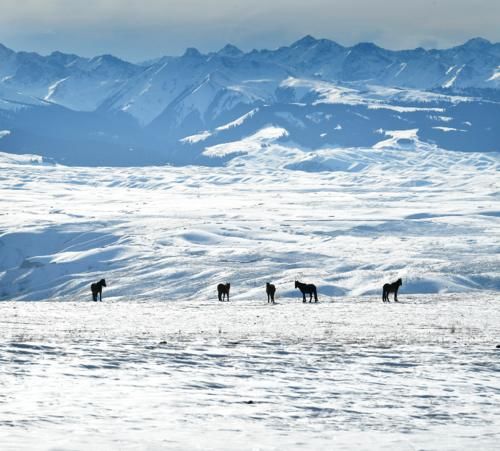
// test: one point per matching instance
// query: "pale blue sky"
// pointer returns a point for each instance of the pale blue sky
(142, 29)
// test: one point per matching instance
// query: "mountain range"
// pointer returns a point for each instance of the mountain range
(106, 111)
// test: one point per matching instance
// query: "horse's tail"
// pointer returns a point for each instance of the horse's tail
(219, 295)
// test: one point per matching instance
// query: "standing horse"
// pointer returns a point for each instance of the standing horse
(223, 290)
(96, 289)
(391, 288)
(270, 290)
(307, 288)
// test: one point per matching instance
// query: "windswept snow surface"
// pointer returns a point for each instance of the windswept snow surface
(161, 364)
(353, 374)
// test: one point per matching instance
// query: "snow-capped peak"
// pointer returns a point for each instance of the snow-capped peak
(192, 52)
(306, 41)
(230, 50)
(477, 43)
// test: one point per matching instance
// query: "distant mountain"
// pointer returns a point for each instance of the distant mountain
(104, 110)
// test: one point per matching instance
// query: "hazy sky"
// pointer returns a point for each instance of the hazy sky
(142, 29)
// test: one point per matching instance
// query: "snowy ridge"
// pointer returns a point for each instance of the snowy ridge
(238, 122)
(193, 139)
(7, 159)
(251, 144)
(496, 75)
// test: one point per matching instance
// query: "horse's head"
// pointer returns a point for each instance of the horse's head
(102, 282)
(228, 286)
(399, 282)
(296, 284)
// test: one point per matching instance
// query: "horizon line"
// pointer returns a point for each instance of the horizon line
(307, 37)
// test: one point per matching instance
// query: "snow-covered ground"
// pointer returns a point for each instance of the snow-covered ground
(347, 220)
(161, 364)
(349, 374)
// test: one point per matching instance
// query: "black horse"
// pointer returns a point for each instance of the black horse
(391, 288)
(96, 289)
(307, 288)
(223, 290)
(270, 290)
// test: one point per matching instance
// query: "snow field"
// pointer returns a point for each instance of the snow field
(347, 220)
(140, 372)
(349, 374)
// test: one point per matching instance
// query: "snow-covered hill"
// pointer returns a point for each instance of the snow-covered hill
(346, 219)
(60, 105)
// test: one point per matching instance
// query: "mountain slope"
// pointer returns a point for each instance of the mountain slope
(321, 92)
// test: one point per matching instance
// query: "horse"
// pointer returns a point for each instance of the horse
(307, 288)
(223, 290)
(96, 289)
(270, 290)
(391, 288)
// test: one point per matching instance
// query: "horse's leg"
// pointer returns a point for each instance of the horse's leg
(396, 296)
(303, 296)
(315, 296)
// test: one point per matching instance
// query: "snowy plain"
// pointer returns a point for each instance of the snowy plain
(161, 364)
(349, 374)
